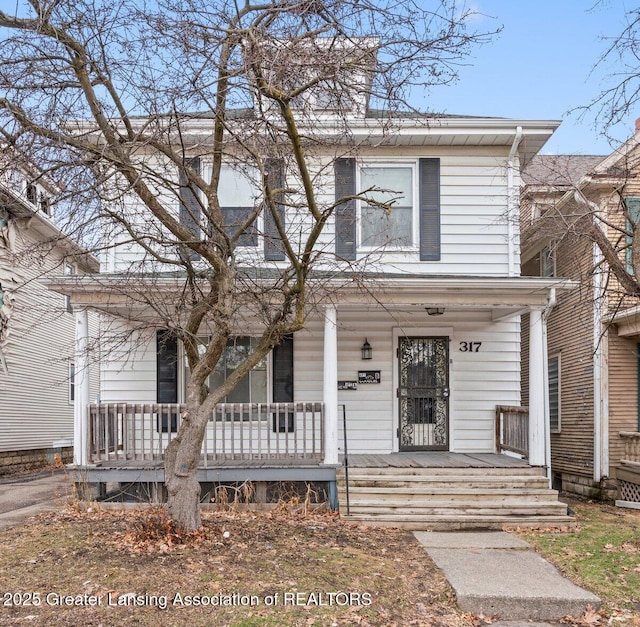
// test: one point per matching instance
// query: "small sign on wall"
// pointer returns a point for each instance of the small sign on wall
(368, 376)
(347, 385)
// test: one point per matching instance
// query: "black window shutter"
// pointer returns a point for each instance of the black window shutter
(189, 204)
(273, 250)
(283, 371)
(429, 209)
(283, 383)
(190, 211)
(234, 218)
(167, 378)
(345, 185)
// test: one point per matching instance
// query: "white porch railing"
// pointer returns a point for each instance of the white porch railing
(123, 431)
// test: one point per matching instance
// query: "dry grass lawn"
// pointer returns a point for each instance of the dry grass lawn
(113, 568)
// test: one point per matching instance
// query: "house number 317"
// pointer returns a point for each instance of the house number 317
(470, 347)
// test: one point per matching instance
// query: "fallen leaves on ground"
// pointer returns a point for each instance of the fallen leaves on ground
(315, 569)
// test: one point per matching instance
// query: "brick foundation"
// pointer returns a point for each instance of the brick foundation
(12, 462)
(583, 486)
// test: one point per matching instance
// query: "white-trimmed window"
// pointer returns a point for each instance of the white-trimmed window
(253, 387)
(395, 227)
(548, 260)
(554, 392)
(239, 194)
(72, 382)
(69, 270)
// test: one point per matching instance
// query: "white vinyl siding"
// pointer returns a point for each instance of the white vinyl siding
(34, 392)
(129, 373)
(478, 380)
(474, 225)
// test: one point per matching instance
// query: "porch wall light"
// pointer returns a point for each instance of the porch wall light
(435, 311)
(367, 351)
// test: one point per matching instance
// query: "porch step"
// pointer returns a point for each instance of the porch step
(445, 481)
(488, 507)
(465, 522)
(429, 471)
(448, 494)
(451, 498)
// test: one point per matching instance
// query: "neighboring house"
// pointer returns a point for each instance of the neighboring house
(593, 333)
(419, 342)
(37, 326)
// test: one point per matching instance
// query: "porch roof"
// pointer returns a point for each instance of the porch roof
(503, 296)
(627, 322)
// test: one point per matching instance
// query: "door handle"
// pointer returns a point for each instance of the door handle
(445, 392)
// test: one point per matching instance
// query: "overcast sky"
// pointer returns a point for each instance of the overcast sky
(539, 67)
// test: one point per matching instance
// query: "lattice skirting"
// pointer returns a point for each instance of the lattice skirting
(629, 491)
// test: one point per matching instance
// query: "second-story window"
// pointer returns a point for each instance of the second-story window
(632, 206)
(410, 221)
(392, 226)
(238, 195)
(44, 204)
(32, 193)
(548, 260)
(69, 270)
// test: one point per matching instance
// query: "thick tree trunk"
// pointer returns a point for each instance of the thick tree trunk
(183, 502)
(181, 468)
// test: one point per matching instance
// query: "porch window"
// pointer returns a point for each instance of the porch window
(253, 386)
(554, 393)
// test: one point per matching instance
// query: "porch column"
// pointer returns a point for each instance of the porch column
(330, 386)
(81, 388)
(537, 392)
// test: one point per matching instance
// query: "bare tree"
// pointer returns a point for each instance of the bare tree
(573, 200)
(138, 110)
(621, 92)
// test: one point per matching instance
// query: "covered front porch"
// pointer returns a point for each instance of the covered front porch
(469, 325)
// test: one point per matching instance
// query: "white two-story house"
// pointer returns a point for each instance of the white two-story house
(412, 338)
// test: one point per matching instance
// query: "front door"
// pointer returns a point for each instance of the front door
(423, 393)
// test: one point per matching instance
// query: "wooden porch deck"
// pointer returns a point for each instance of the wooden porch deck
(436, 459)
(291, 468)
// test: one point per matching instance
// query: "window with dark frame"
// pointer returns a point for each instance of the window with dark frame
(554, 393)
(632, 206)
(72, 382)
(69, 270)
(32, 193)
(548, 260)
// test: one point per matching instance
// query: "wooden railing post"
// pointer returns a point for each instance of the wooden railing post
(512, 429)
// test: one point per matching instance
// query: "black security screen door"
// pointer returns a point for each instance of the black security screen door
(424, 393)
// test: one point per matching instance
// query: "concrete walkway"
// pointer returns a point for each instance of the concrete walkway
(26, 495)
(495, 574)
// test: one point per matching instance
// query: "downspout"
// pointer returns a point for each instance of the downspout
(600, 397)
(512, 201)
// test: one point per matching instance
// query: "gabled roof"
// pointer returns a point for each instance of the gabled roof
(559, 171)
